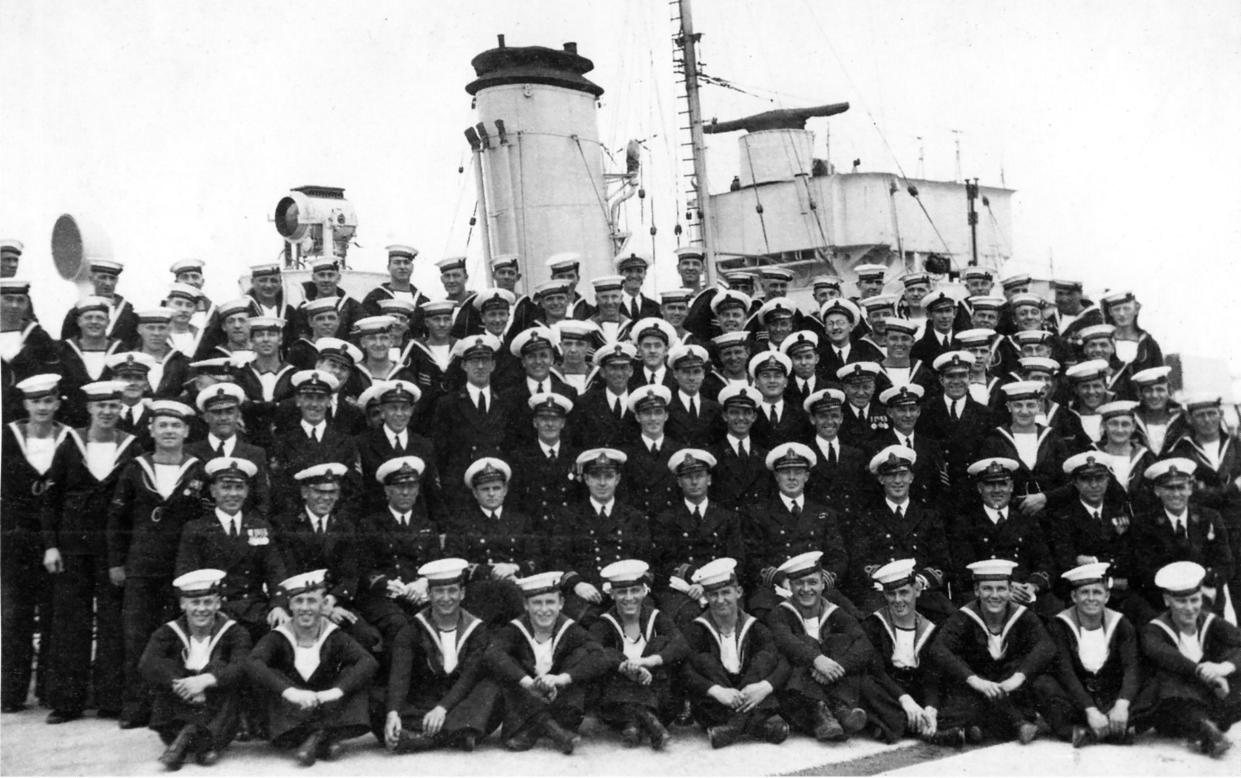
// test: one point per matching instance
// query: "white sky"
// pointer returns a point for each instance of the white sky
(178, 125)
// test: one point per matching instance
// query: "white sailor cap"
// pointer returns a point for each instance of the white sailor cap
(444, 572)
(486, 470)
(1027, 299)
(1199, 400)
(1023, 390)
(870, 271)
(1066, 283)
(1096, 331)
(437, 308)
(716, 573)
(230, 469)
(233, 307)
(550, 403)
(843, 307)
(600, 459)
(1180, 579)
(986, 302)
(800, 341)
(895, 574)
(540, 583)
(649, 396)
(823, 400)
(936, 299)
(401, 250)
(976, 336)
(974, 271)
(183, 265)
(313, 308)
(14, 286)
(91, 303)
(41, 385)
(1087, 463)
(1117, 297)
(224, 393)
(992, 569)
(498, 261)
(675, 296)
(1089, 573)
(800, 566)
(730, 339)
(304, 582)
(912, 279)
(791, 455)
(896, 324)
(183, 291)
(326, 473)
(565, 260)
(1117, 408)
(690, 460)
(771, 271)
(737, 394)
(770, 359)
(493, 297)
(825, 282)
(451, 263)
(172, 408)
(858, 370)
(11, 246)
(689, 252)
(485, 345)
(1170, 471)
(1152, 375)
(319, 381)
(614, 352)
(221, 367)
(265, 269)
(730, 298)
(777, 308)
(632, 259)
(1019, 279)
(109, 266)
(1030, 365)
(892, 459)
(993, 469)
(608, 283)
(97, 391)
(625, 573)
(952, 360)
(1089, 370)
(373, 325)
(396, 305)
(199, 583)
(686, 355)
(906, 394)
(875, 302)
(651, 325)
(531, 340)
(130, 362)
(265, 324)
(550, 288)
(338, 350)
(576, 329)
(400, 470)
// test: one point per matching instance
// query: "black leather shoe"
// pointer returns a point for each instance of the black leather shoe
(565, 740)
(953, 736)
(207, 757)
(827, 728)
(1082, 736)
(108, 713)
(329, 749)
(852, 720)
(308, 752)
(1214, 743)
(410, 742)
(655, 728)
(61, 716)
(775, 730)
(467, 741)
(12, 707)
(631, 736)
(723, 735)
(523, 740)
(973, 735)
(134, 722)
(174, 756)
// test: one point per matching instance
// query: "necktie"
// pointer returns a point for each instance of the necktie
(900, 513)
(697, 513)
(909, 443)
(396, 443)
(494, 517)
(956, 414)
(650, 378)
(1181, 534)
(482, 402)
(795, 509)
(1098, 515)
(551, 454)
(314, 434)
(741, 452)
(603, 515)
(693, 409)
(831, 453)
(616, 410)
(232, 527)
(774, 416)
(540, 387)
(1001, 516)
(654, 450)
(840, 355)
(219, 449)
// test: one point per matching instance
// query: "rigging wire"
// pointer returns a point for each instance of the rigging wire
(758, 205)
(456, 209)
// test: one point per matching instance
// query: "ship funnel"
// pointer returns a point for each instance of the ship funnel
(76, 242)
(777, 146)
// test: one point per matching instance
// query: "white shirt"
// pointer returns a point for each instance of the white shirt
(903, 654)
(996, 514)
(228, 522)
(700, 507)
(198, 654)
(899, 375)
(476, 391)
(542, 656)
(811, 625)
(166, 479)
(533, 385)
(217, 443)
(441, 354)
(1126, 350)
(184, 342)
(1092, 648)
(10, 344)
(94, 361)
(448, 648)
(980, 393)
(39, 453)
(777, 407)
(401, 518)
(398, 294)
(1027, 447)
(397, 439)
(1155, 434)
(648, 442)
(658, 374)
(826, 447)
(730, 657)
(843, 351)
(789, 502)
(1121, 465)
(1190, 646)
(1091, 424)
(614, 399)
(315, 430)
(610, 328)
(960, 403)
(100, 458)
(1092, 510)
(1211, 451)
(155, 376)
(693, 403)
(903, 507)
(549, 451)
(317, 523)
(1179, 521)
(606, 508)
(633, 648)
(807, 386)
(736, 442)
(306, 660)
(995, 645)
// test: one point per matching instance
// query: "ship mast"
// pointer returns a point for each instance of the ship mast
(685, 54)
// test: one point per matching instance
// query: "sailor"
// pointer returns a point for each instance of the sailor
(395, 437)
(987, 652)
(492, 311)
(267, 300)
(952, 416)
(1158, 416)
(543, 662)
(438, 693)
(429, 356)
(870, 279)
(984, 383)
(189, 272)
(775, 281)
(453, 277)
(985, 310)
(25, 348)
(314, 677)
(183, 300)
(690, 265)
(990, 525)
(1177, 530)
(545, 481)
(1097, 673)
(322, 320)
(840, 320)
(594, 533)
(645, 649)
(897, 526)
(734, 666)
(403, 314)
(578, 340)
(802, 349)
(1095, 527)
(1098, 342)
(83, 357)
(316, 533)
(778, 421)
(324, 285)
(122, 321)
(689, 533)
(266, 380)
(899, 367)
(156, 495)
(635, 305)
(132, 369)
(337, 358)
(1074, 312)
(878, 312)
(398, 286)
(1038, 450)
(566, 267)
(1121, 445)
(169, 368)
(838, 479)
(646, 484)
(504, 542)
(80, 481)
(29, 448)
(978, 280)
(1089, 385)
(195, 665)
(1195, 655)
(1135, 346)
(220, 408)
(732, 356)
(741, 476)
(312, 441)
(673, 308)
(395, 541)
(941, 311)
(917, 287)
(903, 405)
(824, 288)
(774, 322)
(826, 650)
(535, 348)
(602, 416)
(745, 282)
(374, 338)
(902, 690)
(552, 297)
(787, 524)
(731, 308)
(10, 256)
(611, 318)
(864, 414)
(229, 332)
(652, 337)
(693, 418)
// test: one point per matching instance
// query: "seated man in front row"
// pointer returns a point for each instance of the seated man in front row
(986, 652)
(827, 651)
(195, 665)
(438, 693)
(314, 677)
(734, 665)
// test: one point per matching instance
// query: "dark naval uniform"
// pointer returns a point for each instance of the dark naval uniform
(773, 534)
(658, 635)
(738, 481)
(583, 542)
(682, 542)
(486, 539)
(1179, 700)
(1019, 538)
(892, 675)
(543, 486)
(759, 659)
(646, 482)
(392, 551)
(876, 536)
